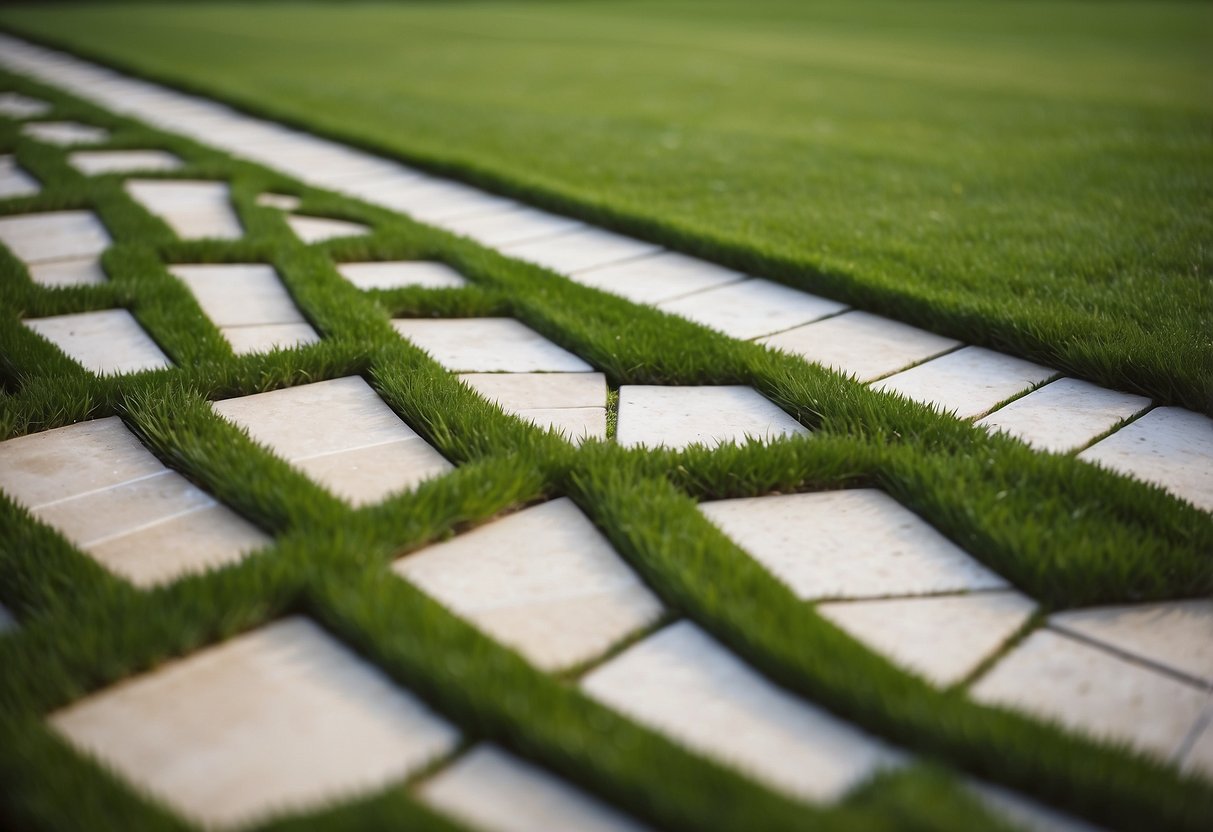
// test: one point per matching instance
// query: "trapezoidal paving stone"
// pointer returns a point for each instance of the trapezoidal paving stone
(682, 683)
(853, 544)
(488, 345)
(654, 416)
(543, 581)
(322, 229)
(97, 162)
(751, 308)
(572, 404)
(341, 435)
(658, 277)
(281, 719)
(580, 249)
(81, 271)
(109, 342)
(399, 274)
(494, 791)
(18, 106)
(14, 181)
(65, 133)
(193, 209)
(1064, 415)
(97, 485)
(54, 235)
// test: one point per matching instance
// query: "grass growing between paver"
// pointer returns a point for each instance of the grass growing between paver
(1062, 531)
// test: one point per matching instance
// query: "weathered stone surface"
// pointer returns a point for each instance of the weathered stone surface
(488, 345)
(677, 417)
(106, 342)
(194, 210)
(55, 235)
(321, 229)
(572, 404)
(658, 277)
(239, 294)
(580, 249)
(1064, 415)
(14, 181)
(65, 133)
(751, 308)
(969, 381)
(82, 271)
(246, 340)
(399, 274)
(96, 162)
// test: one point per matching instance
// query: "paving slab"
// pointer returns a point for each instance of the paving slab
(943, 638)
(543, 581)
(682, 683)
(65, 133)
(81, 271)
(858, 543)
(488, 345)
(493, 791)
(14, 181)
(676, 417)
(109, 342)
(751, 308)
(217, 735)
(194, 210)
(575, 425)
(659, 277)
(96, 162)
(283, 202)
(1064, 415)
(398, 274)
(581, 249)
(1169, 447)
(1198, 759)
(322, 229)
(1027, 815)
(860, 344)
(970, 381)
(433, 200)
(572, 404)
(506, 227)
(246, 340)
(55, 235)
(16, 105)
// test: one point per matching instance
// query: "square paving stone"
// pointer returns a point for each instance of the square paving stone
(576, 251)
(81, 271)
(65, 133)
(543, 581)
(677, 417)
(14, 181)
(106, 342)
(969, 381)
(284, 718)
(1170, 447)
(752, 308)
(401, 273)
(659, 277)
(283, 202)
(16, 105)
(857, 543)
(56, 235)
(194, 210)
(1064, 415)
(488, 345)
(856, 343)
(322, 229)
(95, 162)
(682, 683)
(572, 404)
(491, 790)
(504, 228)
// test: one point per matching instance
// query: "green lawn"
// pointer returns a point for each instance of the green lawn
(1033, 176)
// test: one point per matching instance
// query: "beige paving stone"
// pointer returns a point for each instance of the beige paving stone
(1169, 447)
(1026, 815)
(677, 417)
(969, 381)
(1094, 692)
(239, 294)
(1174, 634)
(14, 181)
(16, 105)
(584, 248)
(684, 684)
(1199, 757)
(659, 277)
(860, 344)
(942, 638)
(82, 271)
(65, 133)
(493, 791)
(574, 425)
(528, 391)
(55, 235)
(488, 345)
(543, 581)
(432, 200)
(283, 202)
(322, 229)
(96, 162)
(504, 228)
(367, 475)
(1064, 414)
(193, 209)
(284, 718)
(401, 273)
(109, 342)
(245, 340)
(858, 543)
(751, 308)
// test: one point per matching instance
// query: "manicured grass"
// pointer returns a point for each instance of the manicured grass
(1032, 176)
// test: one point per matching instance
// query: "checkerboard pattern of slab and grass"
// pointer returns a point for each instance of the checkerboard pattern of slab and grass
(337, 504)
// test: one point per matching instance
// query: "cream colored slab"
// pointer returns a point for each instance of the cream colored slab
(1170, 447)
(284, 718)
(194, 210)
(1027, 815)
(488, 345)
(109, 342)
(263, 338)
(751, 308)
(434, 200)
(95, 162)
(283, 202)
(969, 381)
(682, 683)
(503, 228)
(543, 581)
(575, 425)
(16, 105)
(402, 273)
(83, 271)
(1064, 415)
(1094, 692)
(941, 638)
(677, 417)
(239, 294)
(14, 181)
(65, 133)
(528, 391)
(321, 229)
(56, 235)
(367, 475)
(858, 543)
(581, 249)
(856, 343)
(492, 791)
(659, 277)
(1199, 757)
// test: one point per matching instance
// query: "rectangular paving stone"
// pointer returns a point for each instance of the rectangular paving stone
(249, 304)
(96, 162)
(194, 210)
(682, 683)
(578, 250)
(969, 381)
(16, 105)
(572, 404)
(366, 475)
(246, 340)
(65, 133)
(857, 543)
(677, 417)
(659, 277)
(14, 181)
(401, 273)
(432, 200)
(283, 202)
(860, 344)
(1198, 758)
(489, 345)
(1064, 415)
(543, 581)
(322, 229)
(55, 235)
(751, 308)
(284, 718)
(1169, 447)
(503, 228)
(109, 342)
(575, 425)
(81, 271)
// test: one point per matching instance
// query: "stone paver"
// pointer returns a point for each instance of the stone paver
(1170, 447)
(283, 202)
(861, 344)
(81, 271)
(95, 162)
(659, 277)
(56, 235)
(109, 342)
(752, 308)
(195, 210)
(433, 200)
(579, 250)
(339, 433)
(398, 274)
(676, 417)
(283, 718)
(493, 791)
(516, 226)
(65, 133)
(543, 581)
(573, 404)
(684, 684)
(16, 105)
(14, 181)
(858, 543)
(1199, 757)
(488, 345)
(1024, 814)
(322, 229)
(1064, 415)
(942, 638)
(246, 340)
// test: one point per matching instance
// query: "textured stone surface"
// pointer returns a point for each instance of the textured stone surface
(580, 249)
(282, 718)
(572, 404)
(81, 271)
(16, 105)
(95, 162)
(398, 274)
(684, 684)
(858, 543)
(969, 381)
(752, 308)
(56, 235)
(65, 133)
(194, 210)
(516, 226)
(265, 337)
(1064, 415)
(106, 342)
(283, 202)
(322, 229)
(14, 181)
(676, 417)
(488, 345)
(543, 581)
(659, 277)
